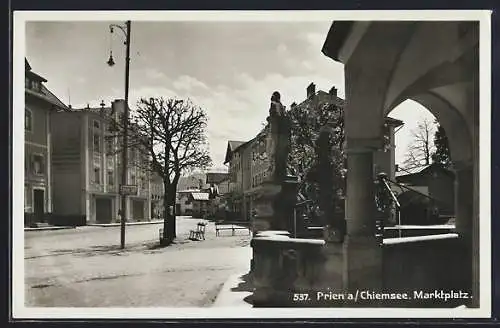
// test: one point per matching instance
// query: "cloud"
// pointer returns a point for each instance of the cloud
(80, 79)
(188, 83)
(154, 74)
(241, 65)
(315, 39)
(150, 92)
(282, 49)
(239, 114)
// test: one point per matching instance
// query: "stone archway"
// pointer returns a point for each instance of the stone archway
(386, 63)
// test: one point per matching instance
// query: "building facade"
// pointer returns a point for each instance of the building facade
(40, 105)
(201, 206)
(183, 203)
(248, 162)
(87, 168)
(157, 195)
(434, 181)
(238, 156)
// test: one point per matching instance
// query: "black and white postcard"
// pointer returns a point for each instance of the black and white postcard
(251, 164)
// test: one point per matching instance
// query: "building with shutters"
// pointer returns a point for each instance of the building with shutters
(40, 106)
(87, 168)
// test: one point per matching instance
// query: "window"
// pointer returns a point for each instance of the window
(132, 179)
(111, 178)
(28, 120)
(35, 85)
(27, 83)
(109, 145)
(27, 199)
(96, 124)
(38, 164)
(97, 175)
(97, 143)
(143, 182)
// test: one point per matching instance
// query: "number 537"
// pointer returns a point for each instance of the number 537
(300, 297)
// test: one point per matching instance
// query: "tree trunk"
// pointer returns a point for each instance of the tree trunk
(166, 217)
(170, 197)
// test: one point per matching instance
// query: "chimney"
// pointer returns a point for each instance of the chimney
(311, 90)
(333, 92)
(118, 106)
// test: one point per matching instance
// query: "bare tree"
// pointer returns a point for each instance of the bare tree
(170, 133)
(419, 152)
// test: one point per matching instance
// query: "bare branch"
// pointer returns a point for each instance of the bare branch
(420, 150)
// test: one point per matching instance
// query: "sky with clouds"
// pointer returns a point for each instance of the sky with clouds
(228, 68)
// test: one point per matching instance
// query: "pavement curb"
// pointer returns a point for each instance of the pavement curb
(118, 224)
(230, 298)
(48, 228)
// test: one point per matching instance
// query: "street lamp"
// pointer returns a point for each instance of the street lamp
(126, 31)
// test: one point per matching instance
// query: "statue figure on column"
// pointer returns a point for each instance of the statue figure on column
(278, 139)
(335, 227)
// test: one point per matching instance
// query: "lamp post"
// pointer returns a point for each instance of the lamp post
(126, 31)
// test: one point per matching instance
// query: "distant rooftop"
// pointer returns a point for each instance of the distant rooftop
(44, 93)
(419, 169)
(200, 195)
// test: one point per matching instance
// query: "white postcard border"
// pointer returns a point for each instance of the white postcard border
(19, 311)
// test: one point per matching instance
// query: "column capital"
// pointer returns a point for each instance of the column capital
(363, 145)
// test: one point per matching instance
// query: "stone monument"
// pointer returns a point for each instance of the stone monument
(334, 224)
(275, 198)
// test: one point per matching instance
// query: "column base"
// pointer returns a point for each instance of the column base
(362, 269)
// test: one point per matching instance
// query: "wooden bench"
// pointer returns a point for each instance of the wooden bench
(199, 233)
(224, 225)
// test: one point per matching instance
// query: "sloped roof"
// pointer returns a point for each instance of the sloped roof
(193, 181)
(200, 195)
(45, 93)
(323, 95)
(422, 169)
(393, 121)
(232, 145)
(187, 191)
(53, 98)
(216, 177)
(235, 144)
(410, 171)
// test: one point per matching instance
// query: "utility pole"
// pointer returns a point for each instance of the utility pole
(124, 177)
(125, 137)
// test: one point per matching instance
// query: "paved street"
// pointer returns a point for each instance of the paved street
(84, 267)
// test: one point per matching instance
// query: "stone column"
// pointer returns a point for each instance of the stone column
(464, 216)
(463, 198)
(362, 251)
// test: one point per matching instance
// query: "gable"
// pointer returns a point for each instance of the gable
(232, 145)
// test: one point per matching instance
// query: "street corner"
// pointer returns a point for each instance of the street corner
(236, 292)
